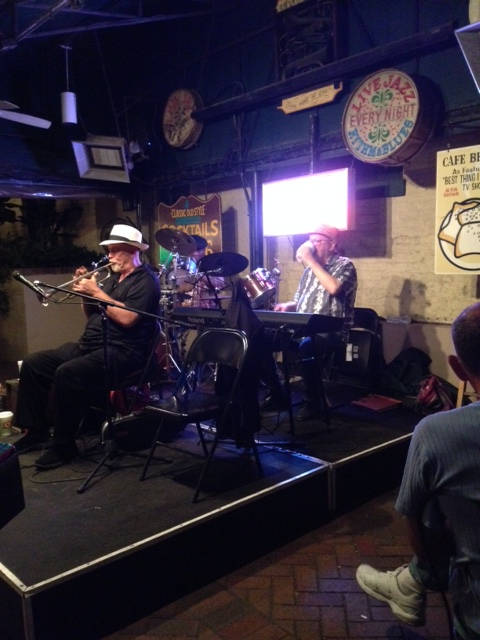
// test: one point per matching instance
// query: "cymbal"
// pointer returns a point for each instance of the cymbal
(224, 263)
(175, 241)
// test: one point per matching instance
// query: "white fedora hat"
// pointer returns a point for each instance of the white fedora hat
(125, 234)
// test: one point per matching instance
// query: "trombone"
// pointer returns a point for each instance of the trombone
(98, 267)
(88, 274)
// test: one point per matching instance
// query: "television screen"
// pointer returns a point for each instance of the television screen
(299, 205)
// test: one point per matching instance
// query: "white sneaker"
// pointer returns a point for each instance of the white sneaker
(399, 589)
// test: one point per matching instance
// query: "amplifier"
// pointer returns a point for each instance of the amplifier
(11, 488)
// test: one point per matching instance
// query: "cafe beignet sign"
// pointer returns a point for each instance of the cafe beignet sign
(381, 119)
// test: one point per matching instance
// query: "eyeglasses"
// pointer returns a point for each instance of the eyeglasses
(320, 240)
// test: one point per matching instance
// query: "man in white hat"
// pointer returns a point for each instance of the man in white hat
(328, 287)
(73, 374)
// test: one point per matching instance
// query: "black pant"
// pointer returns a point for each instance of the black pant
(67, 380)
(314, 352)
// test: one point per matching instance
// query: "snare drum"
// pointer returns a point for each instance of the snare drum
(184, 263)
(259, 286)
(185, 267)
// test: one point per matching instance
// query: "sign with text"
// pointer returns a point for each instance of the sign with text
(457, 218)
(380, 118)
(310, 99)
(196, 216)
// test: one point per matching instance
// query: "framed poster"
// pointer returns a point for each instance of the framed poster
(457, 211)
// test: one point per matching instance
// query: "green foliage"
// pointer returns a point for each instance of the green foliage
(47, 240)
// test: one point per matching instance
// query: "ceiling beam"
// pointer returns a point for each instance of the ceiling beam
(359, 64)
(111, 21)
(76, 10)
(35, 24)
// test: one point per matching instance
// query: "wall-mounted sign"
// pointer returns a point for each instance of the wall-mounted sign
(457, 220)
(194, 215)
(310, 99)
(387, 118)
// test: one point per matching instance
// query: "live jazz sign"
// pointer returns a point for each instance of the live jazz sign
(381, 116)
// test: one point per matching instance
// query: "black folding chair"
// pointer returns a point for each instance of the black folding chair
(225, 349)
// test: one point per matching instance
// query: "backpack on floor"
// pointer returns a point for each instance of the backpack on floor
(434, 395)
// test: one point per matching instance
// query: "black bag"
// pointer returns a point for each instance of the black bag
(434, 395)
(405, 373)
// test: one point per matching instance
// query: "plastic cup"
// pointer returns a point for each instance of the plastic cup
(6, 418)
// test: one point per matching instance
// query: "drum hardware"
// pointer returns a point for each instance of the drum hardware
(276, 274)
(171, 345)
(165, 356)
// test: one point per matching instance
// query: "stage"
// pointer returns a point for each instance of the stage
(82, 565)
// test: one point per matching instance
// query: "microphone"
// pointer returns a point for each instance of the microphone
(34, 287)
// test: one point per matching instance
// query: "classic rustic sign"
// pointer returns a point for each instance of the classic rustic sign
(194, 215)
(381, 122)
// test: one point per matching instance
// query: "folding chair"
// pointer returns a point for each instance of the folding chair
(225, 349)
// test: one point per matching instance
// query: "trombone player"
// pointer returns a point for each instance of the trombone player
(69, 377)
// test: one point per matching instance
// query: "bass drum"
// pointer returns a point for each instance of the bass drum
(260, 287)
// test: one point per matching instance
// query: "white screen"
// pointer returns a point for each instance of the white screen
(299, 205)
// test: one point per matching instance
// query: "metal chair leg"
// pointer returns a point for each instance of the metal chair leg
(202, 439)
(110, 449)
(204, 470)
(152, 451)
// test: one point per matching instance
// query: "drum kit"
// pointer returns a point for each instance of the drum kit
(206, 284)
(184, 282)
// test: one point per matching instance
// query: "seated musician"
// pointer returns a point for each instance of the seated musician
(73, 374)
(328, 287)
(199, 291)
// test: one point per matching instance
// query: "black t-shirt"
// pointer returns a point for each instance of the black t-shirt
(140, 290)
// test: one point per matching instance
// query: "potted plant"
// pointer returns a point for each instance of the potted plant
(46, 239)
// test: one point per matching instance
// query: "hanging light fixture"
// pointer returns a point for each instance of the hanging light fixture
(69, 99)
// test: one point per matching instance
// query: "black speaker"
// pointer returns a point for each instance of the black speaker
(11, 488)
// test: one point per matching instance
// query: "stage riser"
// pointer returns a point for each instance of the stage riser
(11, 613)
(110, 597)
(365, 477)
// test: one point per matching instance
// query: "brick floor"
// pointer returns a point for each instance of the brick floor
(304, 591)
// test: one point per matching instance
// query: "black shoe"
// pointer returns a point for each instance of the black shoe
(56, 456)
(275, 404)
(30, 442)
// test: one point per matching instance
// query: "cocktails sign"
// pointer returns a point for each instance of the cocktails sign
(193, 215)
